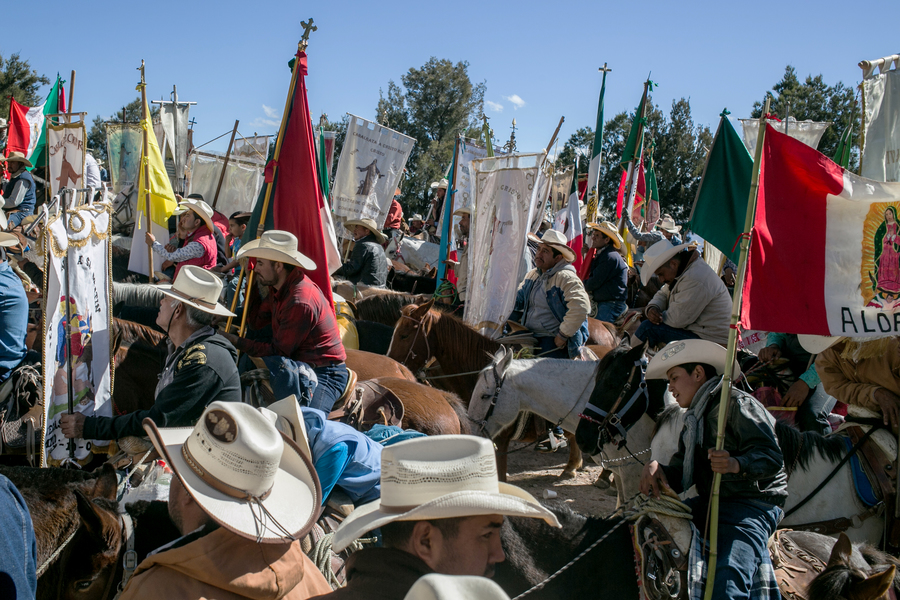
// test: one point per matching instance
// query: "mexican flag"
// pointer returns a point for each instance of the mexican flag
(28, 124)
(825, 250)
(569, 221)
(594, 166)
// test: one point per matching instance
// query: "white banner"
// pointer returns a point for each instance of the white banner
(240, 187)
(881, 103)
(255, 148)
(65, 149)
(808, 132)
(542, 197)
(174, 121)
(506, 190)
(560, 188)
(465, 195)
(87, 243)
(369, 170)
(123, 149)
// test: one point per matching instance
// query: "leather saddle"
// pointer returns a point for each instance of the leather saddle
(21, 410)
(369, 404)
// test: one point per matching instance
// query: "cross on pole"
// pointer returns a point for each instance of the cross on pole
(308, 28)
(192, 122)
(604, 69)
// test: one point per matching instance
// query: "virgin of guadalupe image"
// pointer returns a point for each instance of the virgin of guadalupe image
(886, 280)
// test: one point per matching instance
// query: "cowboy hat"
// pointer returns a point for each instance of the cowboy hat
(668, 224)
(609, 230)
(656, 256)
(280, 246)
(16, 156)
(439, 477)
(287, 418)
(556, 240)
(368, 224)
(436, 586)
(462, 210)
(440, 184)
(416, 217)
(197, 287)
(200, 208)
(7, 239)
(681, 352)
(816, 344)
(242, 472)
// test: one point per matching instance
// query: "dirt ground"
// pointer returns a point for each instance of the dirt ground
(536, 472)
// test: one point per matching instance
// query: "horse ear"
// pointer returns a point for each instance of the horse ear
(636, 353)
(353, 309)
(506, 360)
(95, 518)
(420, 311)
(840, 553)
(106, 484)
(875, 586)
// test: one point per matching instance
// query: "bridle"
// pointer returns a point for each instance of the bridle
(490, 411)
(420, 324)
(611, 423)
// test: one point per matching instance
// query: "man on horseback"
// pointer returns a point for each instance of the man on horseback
(368, 263)
(200, 247)
(200, 367)
(693, 302)
(754, 482)
(305, 355)
(13, 311)
(18, 193)
(440, 511)
(607, 282)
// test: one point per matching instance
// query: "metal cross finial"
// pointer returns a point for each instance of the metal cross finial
(308, 27)
(604, 69)
(323, 120)
(192, 122)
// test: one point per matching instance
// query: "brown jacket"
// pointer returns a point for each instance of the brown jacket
(855, 383)
(225, 566)
(379, 574)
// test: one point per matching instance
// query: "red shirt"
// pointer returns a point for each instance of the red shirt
(394, 217)
(304, 327)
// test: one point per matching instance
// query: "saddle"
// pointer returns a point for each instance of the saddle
(794, 568)
(370, 404)
(21, 411)
(663, 565)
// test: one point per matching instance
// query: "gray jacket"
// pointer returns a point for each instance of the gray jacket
(368, 263)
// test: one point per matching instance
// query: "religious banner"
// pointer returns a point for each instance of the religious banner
(328, 139)
(369, 170)
(881, 111)
(123, 147)
(559, 189)
(839, 273)
(542, 196)
(174, 120)
(65, 151)
(240, 187)
(808, 132)
(506, 189)
(254, 148)
(464, 196)
(77, 290)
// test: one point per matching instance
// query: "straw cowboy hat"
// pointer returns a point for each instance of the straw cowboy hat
(436, 586)
(197, 287)
(200, 207)
(441, 184)
(287, 418)
(439, 477)
(280, 246)
(16, 156)
(668, 224)
(816, 344)
(556, 240)
(656, 256)
(681, 352)
(7, 240)
(243, 473)
(416, 217)
(368, 224)
(609, 230)
(462, 210)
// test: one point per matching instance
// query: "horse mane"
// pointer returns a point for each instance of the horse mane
(452, 332)
(129, 332)
(669, 413)
(799, 448)
(384, 308)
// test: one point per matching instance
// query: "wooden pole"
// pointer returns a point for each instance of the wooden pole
(635, 165)
(145, 160)
(731, 352)
(225, 164)
(71, 95)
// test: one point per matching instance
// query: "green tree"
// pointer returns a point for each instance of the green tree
(19, 80)
(130, 113)
(434, 104)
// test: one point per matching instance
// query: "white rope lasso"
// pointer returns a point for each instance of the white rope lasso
(631, 456)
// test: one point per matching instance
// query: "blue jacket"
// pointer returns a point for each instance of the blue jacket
(26, 207)
(608, 280)
(13, 320)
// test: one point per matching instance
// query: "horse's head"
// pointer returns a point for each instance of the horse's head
(841, 579)
(409, 344)
(619, 400)
(483, 403)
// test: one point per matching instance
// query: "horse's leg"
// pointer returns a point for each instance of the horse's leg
(502, 443)
(575, 461)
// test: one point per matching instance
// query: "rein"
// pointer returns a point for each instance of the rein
(613, 418)
(46, 564)
(419, 327)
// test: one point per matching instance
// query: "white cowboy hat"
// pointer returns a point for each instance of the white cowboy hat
(441, 184)
(7, 239)
(4, 224)
(668, 224)
(200, 207)
(368, 224)
(416, 217)
(439, 477)
(436, 586)
(681, 352)
(280, 246)
(816, 344)
(243, 473)
(16, 156)
(287, 418)
(656, 256)
(609, 230)
(197, 287)
(462, 210)
(556, 240)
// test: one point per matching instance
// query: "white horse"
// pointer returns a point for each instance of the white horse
(416, 254)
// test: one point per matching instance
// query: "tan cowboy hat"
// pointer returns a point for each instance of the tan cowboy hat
(16, 156)
(242, 472)
(197, 287)
(668, 224)
(609, 230)
(462, 210)
(368, 224)
(280, 246)
(287, 418)
(436, 586)
(556, 240)
(440, 184)
(439, 477)
(681, 352)
(816, 344)
(200, 207)
(656, 256)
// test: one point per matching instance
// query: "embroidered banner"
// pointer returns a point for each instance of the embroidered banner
(65, 150)
(123, 147)
(240, 187)
(881, 103)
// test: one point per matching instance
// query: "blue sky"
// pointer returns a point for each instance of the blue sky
(539, 59)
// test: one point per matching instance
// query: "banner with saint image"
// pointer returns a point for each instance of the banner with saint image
(65, 151)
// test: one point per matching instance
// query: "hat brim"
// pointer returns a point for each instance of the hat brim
(254, 250)
(816, 344)
(702, 351)
(673, 229)
(378, 235)
(465, 210)
(294, 500)
(613, 236)
(510, 501)
(17, 159)
(567, 252)
(655, 262)
(218, 310)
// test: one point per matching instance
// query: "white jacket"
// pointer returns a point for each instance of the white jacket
(698, 302)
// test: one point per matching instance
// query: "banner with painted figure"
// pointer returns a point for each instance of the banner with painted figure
(506, 189)
(559, 189)
(369, 170)
(123, 147)
(174, 121)
(808, 132)
(240, 187)
(254, 148)
(65, 151)
(77, 249)
(881, 106)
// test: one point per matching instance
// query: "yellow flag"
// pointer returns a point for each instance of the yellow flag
(162, 198)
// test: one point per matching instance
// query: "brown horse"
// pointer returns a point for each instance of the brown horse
(385, 308)
(140, 354)
(426, 409)
(601, 333)
(423, 333)
(368, 366)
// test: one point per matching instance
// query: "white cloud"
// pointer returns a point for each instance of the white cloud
(516, 100)
(270, 112)
(494, 106)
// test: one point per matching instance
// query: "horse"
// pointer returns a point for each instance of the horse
(410, 283)
(845, 578)
(385, 308)
(426, 409)
(139, 354)
(374, 337)
(809, 457)
(368, 366)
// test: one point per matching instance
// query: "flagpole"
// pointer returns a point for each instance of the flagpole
(635, 162)
(732, 351)
(448, 214)
(145, 159)
(592, 197)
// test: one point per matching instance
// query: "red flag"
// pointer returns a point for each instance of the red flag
(20, 130)
(620, 197)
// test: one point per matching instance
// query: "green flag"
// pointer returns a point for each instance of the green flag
(720, 207)
(594, 168)
(51, 107)
(842, 155)
(633, 144)
(322, 165)
(651, 207)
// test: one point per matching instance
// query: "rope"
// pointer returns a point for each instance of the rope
(430, 377)
(447, 290)
(55, 554)
(631, 455)
(322, 553)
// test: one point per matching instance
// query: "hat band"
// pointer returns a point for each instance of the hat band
(216, 483)
(200, 301)
(397, 510)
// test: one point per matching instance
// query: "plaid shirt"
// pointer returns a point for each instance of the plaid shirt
(304, 327)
